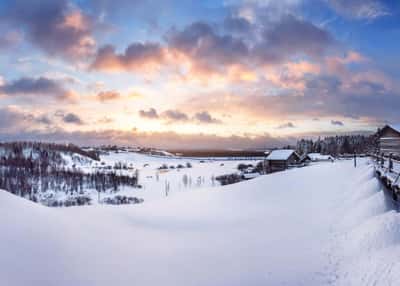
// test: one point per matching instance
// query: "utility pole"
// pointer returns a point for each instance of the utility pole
(355, 160)
(40, 174)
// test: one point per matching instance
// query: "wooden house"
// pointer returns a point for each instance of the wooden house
(389, 140)
(279, 160)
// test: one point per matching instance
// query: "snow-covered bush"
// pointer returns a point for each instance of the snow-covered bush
(122, 200)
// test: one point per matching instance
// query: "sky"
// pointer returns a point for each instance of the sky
(197, 74)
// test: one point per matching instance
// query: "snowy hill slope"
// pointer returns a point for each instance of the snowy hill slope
(288, 228)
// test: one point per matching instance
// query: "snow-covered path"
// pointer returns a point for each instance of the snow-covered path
(281, 229)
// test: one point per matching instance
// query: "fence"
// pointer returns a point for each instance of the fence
(388, 170)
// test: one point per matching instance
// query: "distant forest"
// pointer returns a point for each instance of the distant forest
(335, 145)
(29, 169)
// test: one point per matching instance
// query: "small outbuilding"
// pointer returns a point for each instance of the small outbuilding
(318, 157)
(281, 159)
(389, 140)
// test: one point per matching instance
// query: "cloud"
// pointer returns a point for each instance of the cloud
(165, 140)
(205, 47)
(13, 119)
(108, 95)
(178, 116)
(72, 119)
(9, 39)
(237, 25)
(150, 114)
(352, 95)
(289, 37)
(202, 50)
(360, 9)
(43, 119)
(41, 86)
(105, 120)
(337, 123)
(175, 115)
(136, 56)
(205, 117)
(286, 125)
(57, 27)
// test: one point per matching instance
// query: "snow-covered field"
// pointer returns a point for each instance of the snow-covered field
(155, 182)
(326, 224)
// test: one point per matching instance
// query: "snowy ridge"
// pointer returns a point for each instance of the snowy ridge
(367, 239)
(310, 226)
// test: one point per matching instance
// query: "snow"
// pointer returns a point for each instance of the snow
(319, 225)
(248, 176)
(280, 154)
(201, 175)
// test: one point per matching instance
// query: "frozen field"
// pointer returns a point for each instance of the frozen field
(326, 224)
(155, 182)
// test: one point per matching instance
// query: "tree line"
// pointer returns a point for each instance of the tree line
(29, 169)
(336, 145)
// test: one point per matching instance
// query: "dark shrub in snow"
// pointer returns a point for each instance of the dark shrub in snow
(242, 167)
(259, 168)
(72, 201)
(122, 200)
(229, 179)
(76, 201)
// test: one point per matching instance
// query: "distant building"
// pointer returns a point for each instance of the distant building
(279, 160)
(318, 157)
(389, 140)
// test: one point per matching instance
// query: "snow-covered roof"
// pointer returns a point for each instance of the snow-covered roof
(250, 175)
(283, 154)
(318, 156)
(395, 127)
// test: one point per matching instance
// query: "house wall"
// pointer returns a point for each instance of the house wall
(389, 142)
(277, 165)
(293, 159)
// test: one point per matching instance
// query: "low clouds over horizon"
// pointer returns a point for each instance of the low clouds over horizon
(174, 115)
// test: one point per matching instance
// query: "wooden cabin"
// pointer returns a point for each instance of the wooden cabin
(279, 160)
(389, 140)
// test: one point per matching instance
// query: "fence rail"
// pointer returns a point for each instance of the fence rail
(388, 170)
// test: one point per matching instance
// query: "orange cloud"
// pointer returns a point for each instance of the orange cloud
(108, 95)
(75, 20)
(292, 74)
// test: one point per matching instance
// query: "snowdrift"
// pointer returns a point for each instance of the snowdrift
(288, 228)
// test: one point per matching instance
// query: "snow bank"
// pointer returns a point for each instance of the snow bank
(278, 229)
(369, 207)
(365, 189)
(372, 253)
(379, 232)
(366, 243)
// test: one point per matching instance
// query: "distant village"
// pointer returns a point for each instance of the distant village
(385, 143)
